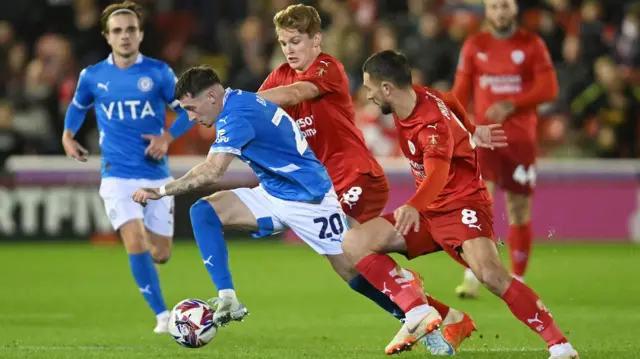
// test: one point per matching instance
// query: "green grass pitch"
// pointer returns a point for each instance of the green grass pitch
(79, 301)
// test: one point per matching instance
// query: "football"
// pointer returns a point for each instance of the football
(191, 323)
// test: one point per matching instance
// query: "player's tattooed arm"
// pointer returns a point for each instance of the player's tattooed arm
(291, 95)
(203, 175)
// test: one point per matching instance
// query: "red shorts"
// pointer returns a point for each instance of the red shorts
(448, 230)
(511, 168)
(365, 197)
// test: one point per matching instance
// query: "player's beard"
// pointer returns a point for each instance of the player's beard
(386, 108)
(503, 31)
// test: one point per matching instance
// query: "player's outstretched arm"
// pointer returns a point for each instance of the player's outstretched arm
(491, 136)
(74, 118)
(203, 175)
(291, 95)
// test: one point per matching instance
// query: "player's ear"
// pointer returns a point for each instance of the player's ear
(317, 39)
(211, 95)
(386, 88)
(141, 35)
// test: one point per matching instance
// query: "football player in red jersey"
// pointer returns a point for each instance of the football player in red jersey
(507, 72)
(314, 90)
(451, 210)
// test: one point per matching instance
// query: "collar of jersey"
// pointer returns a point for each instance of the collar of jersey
(227, 91)
(138, 59)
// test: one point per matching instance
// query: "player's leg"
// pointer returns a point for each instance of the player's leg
(209, 217)
(520, 237)
(490, 165)
(362, 200)
(158, 220)
(160, 247)
(367, 246)
(482, 257)
(519, 183)
(467, 236)
(518, 178)
(126, 217)
(365, 200)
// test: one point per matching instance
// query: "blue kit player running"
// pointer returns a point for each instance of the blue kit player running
(295, 190)
(129, 93)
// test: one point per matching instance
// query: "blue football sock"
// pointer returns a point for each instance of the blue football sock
(147, 279)
(207, 229)
(361, 285)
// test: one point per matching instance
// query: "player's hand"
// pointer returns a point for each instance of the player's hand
(499, 111)
(159, 145)
(73, 149)
(407, 217)
(142, 195)
(491, 136)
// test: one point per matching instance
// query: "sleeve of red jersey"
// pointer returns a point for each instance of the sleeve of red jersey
(325, 75)
(458, 110)
(270, 82)
(463, 83)
(545, 83)
(436, 141)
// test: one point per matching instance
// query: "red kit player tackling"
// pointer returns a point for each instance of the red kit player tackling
(313, 88)
(450, 211)
(507, 72)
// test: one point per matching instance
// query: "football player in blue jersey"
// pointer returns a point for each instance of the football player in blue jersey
(295, 190)
(129, 93)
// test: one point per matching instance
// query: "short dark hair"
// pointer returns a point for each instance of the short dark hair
(123, 7)
(389, 66)
(195, 80)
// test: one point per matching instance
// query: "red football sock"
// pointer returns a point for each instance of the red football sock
(520, 238)
(384, 274)
(527, 307)
(442, 308)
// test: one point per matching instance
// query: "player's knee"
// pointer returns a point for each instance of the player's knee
(202, 210)
(519, 209)
(519, 217)
(161, 257)
(352, 245)
(494, 276)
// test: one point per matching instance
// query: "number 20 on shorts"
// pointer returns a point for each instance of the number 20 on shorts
(331, 227)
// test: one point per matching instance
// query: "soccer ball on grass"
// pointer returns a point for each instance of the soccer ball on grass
(191, 323)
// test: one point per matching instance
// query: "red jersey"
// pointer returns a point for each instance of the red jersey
(433, 131)
(501, 70)
(327, 121)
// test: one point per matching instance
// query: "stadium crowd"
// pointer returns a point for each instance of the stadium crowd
(594, 44)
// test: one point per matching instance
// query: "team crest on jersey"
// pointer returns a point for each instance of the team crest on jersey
(517, 56)
(145, 84)
(321, 72)
(412, 147)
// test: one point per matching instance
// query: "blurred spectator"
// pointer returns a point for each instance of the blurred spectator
(552, 33)
(11, 142)
(44, 45)
(608, 111)
(627, 46)
(249, 63)
(431, 50)
(591, 32)
(573, 73)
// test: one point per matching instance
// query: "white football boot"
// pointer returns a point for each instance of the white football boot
(227, 308)
(563, 351)
(163, 322)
